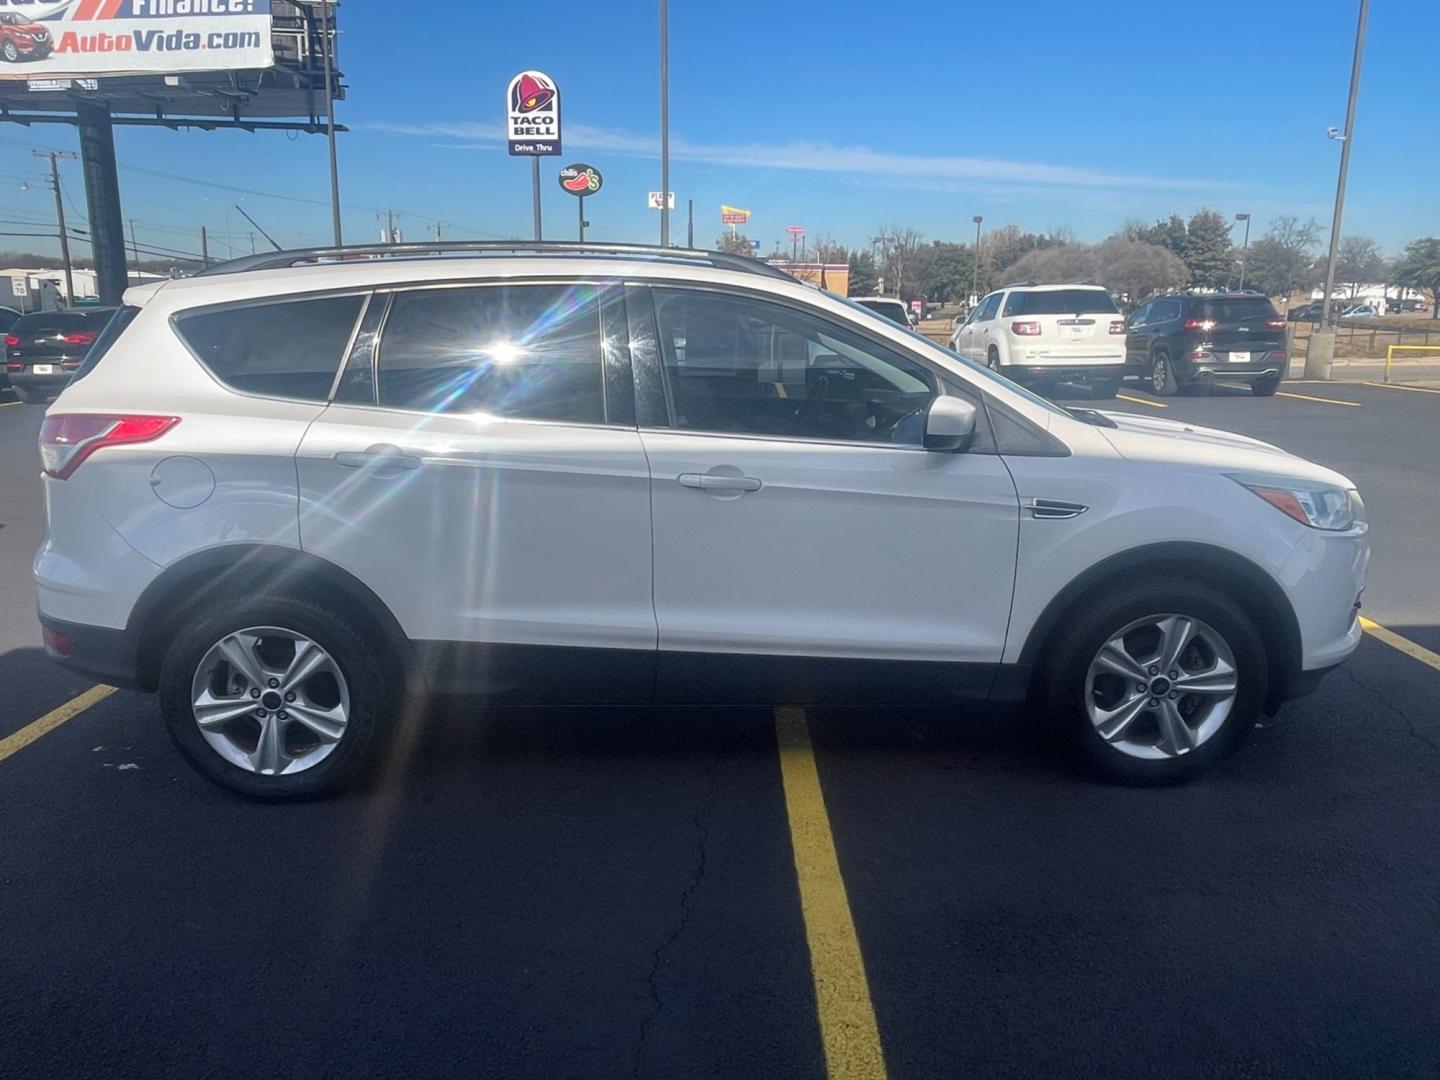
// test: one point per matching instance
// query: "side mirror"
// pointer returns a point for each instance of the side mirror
(949, 425)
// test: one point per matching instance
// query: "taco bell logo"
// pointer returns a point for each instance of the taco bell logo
(532, 116)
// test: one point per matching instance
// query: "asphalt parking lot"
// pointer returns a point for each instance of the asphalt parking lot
(749, 893)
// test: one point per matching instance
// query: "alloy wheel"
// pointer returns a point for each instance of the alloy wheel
(1161, 687)
(1160, 373)
(270, 700)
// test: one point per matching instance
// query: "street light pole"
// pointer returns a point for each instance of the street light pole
(664, 123)
(330, 121)
(1243, 248)
(975, 280)
(1326, 316)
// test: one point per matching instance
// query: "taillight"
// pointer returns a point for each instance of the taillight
(80, 337)
(1275, 324)
(70, 365)
(1117, 326)
(67, 439)
(1200, 324)
(11, 341)
(14, 367)
(1025, 329)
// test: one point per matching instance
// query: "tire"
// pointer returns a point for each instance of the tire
(992, 360)
(29, 397)
(1105, 388)
(366, 689)
(1138, 754)
(12, 54)
(1162, 375)
(1265, 387)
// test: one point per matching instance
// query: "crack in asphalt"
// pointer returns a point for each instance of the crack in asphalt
(1410, 727)
(701, 822)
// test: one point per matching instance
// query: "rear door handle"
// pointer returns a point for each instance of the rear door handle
(380, 456)
(712, 482)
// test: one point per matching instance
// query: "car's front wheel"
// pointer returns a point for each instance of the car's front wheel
(275, 698)
(1158, 680)
(10, 52)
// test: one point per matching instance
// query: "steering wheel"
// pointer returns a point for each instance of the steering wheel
(809, 410)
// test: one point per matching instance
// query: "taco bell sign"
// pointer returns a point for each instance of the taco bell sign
(532, 115)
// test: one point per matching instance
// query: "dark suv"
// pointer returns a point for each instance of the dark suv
(45, 348)
(1185, 339)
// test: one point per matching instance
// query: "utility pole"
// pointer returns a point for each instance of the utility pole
(1318, 361)
(1243, 248)
(690, 225)
(54, 156)
(664, 123)
(134, 251)
(252, 243)
(975, 278)
(325, 33)
(390, 235)
(204, 246)
(439, 225)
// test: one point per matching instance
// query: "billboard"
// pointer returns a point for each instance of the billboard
(41, 39)
(733, 215)
(532, 115)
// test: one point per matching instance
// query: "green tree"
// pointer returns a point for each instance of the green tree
(1419, 268)
(1207, 250)
(864, 274)
(1283, 260)
(1359, 262)
(945, 271)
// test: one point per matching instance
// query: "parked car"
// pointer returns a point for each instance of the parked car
(292, 495)
(45, 348)
(20, 38)
(1360, 311)
(893, 309)
(1185, 339)
(1310, 312)
(8, 317)
(1040, 335)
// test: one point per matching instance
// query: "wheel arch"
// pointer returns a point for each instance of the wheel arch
(221, 573)
(1257, 593)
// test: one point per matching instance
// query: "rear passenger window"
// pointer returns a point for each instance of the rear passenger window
(525, 351)
(290, 349)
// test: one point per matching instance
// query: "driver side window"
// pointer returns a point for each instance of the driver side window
(755, 367)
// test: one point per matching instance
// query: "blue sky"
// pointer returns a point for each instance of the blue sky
(842, 117)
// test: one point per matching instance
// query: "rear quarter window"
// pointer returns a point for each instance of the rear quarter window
(289, 349)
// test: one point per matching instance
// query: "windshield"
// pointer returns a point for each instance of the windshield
(1238, 310)
(56, 320)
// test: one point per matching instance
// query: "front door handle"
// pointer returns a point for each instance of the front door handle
(381, 456)
(714, 482)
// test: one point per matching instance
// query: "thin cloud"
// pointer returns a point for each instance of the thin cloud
(818, 157)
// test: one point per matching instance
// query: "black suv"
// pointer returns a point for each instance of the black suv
(1185, 339)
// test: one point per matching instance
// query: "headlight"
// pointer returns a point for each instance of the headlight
(1320, 506)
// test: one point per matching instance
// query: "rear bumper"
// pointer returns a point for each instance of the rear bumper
(1217, 365)
(98, 652)
(1026, 373)
(25, 380)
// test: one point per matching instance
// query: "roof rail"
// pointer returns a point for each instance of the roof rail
(1018, 285)
(277, 260)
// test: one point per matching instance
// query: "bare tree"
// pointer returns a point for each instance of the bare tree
(1359, 262)
(897, 259)
(827, 249)
(1132, 269)
(1055, 265)
(736, 243)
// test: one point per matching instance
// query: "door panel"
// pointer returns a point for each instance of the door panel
(842, 551)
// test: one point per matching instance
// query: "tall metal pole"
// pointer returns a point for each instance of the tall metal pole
(204, 246)
(975, 278)
(64, 237)
(330, 121)
(690, 225)
(1243, 248)
(581, 201)
(134, 253)
(664, 123)
(1326, 316)
(535, 191)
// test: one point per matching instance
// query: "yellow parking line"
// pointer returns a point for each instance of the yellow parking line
(1142, 401)
(842, 994)
(1405, 645)
(1399, 386)
(52, 719)
(1322, 400)
(8, 404)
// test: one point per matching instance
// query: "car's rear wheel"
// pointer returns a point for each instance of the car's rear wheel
(992, 359)
(275, 698)
(1162, 375)
(1265, 387)
(1105, 388)
(1158, 680)
(29, 397)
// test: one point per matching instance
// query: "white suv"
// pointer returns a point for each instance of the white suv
(292, 491)
(1045, 334)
